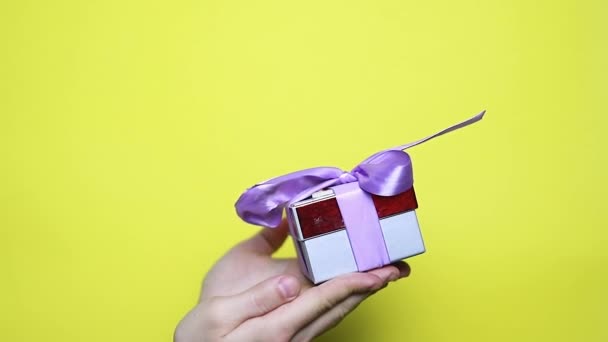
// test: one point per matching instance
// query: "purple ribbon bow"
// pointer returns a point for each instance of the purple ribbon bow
(386, 173)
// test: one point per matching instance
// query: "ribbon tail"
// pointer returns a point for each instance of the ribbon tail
(445, 131)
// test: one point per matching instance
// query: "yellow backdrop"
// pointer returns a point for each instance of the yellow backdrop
(129, 128)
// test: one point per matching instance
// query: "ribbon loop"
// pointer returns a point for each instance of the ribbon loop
(388, 173)
(263, 203)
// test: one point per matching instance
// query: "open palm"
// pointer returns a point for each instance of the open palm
(248, 295)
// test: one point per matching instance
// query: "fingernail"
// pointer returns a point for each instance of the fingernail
(405, 272)
(404, 269)
(289, 287)
(394, 276)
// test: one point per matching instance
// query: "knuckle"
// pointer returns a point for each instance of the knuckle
(278, 332)
(302, 336)
(259, 303)
(213, 309)
(327, 298)
(341, 313)
(282, 335)
(195, 325)
(326, 303)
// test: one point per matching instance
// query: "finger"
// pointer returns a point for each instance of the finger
(331, 318)
(267, 241)
(392, 272)
(260, 299)
(334, 316)
(404, 269)
(320, 299)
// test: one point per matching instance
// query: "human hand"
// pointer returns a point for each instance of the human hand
(250, 296)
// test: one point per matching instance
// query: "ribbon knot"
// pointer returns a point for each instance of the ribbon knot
(346, 177)
(386, 173)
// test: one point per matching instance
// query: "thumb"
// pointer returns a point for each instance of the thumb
(261, 298)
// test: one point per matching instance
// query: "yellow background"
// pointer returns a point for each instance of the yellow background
(129, 128)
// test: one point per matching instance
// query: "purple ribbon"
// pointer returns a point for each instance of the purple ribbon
(386, 173)
(362, 226)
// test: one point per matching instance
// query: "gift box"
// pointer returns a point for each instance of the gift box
(326, 247)
(341, 221)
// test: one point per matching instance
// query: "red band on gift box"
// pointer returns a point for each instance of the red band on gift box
(324, 216)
